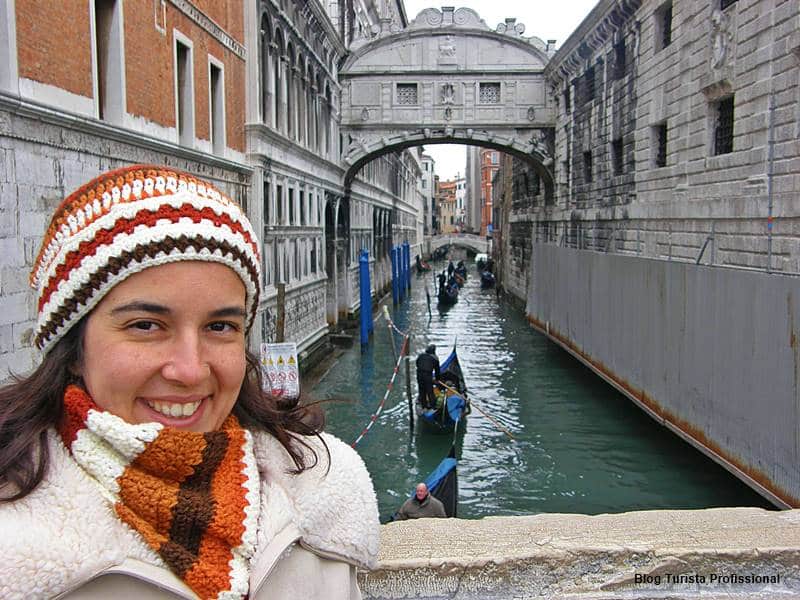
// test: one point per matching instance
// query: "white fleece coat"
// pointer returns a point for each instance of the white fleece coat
(65, 533)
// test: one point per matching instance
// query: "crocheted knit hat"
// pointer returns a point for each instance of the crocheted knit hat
(125, 221)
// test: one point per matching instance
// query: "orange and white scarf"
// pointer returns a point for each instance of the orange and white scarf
(193, 497)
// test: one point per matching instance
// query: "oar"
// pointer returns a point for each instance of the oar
(484, 413)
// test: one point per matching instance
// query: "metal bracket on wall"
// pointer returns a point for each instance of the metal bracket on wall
(709, 238)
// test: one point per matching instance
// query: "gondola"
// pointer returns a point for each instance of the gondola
(480, 262)
(452, 400)
(448, 292)
(442, 484)
(422, 266)
(487, 280)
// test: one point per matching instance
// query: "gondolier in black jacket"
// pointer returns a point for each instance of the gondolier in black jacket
(427, 369)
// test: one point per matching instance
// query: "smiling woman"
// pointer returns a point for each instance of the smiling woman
(144, 437)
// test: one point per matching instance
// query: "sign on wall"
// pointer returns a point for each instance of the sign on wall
(279, 370)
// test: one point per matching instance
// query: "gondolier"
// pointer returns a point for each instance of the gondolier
(427, 370)
(422, 504)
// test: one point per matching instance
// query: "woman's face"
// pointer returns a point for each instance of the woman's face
(167, 345)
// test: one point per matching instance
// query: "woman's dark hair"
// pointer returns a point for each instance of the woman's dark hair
(31, 405)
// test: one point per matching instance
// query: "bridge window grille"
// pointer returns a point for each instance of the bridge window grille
(723, 4)
(723, 129)
(663, 26)
(617, 151)
(489, 93)
(407, 93)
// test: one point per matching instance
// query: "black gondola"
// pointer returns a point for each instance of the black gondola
(452, 400)
(487, 280)
(448, 290)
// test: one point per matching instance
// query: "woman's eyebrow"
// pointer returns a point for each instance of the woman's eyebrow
(229, 311)
(141, 306)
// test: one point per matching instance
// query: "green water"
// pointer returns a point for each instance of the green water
(579, 445)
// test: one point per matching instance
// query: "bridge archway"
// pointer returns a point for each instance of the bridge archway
(448, 78)
(475, 243)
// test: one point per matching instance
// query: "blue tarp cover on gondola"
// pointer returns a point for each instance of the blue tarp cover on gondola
(438, 475)
(455, 407)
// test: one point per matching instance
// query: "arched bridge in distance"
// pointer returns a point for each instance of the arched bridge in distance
(464, 240)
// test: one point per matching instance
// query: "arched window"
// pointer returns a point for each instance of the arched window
(290, 101)
(277, 91)
(265, 39)
(327, 121)
(318, 111)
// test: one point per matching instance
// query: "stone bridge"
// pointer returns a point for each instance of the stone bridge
(448, 78)
(464, 240)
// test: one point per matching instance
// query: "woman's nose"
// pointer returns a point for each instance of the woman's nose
(186, 363)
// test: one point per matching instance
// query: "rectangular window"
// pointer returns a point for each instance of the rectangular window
(588, 84)
(723, 126)
(109, 68)
(302, 208)
(723, 4)
(216, 107)
(663, 26)
(184, 91)
(620, 59)
(489, 93)
(617, 156)
(587, 167)
(279, 204)
(660, 145)
(424, 184)
(291, 207)
(313, 256)
(266, 203)
(567, 101)
(297, 264)
(407, 93)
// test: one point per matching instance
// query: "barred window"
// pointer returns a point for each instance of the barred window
(588, 84)
(617, 156)
(489, 93)
(660, 145)
(407, 93)
(663, 26)
(620, 59)
(567, 101)
(723, 126)
(587, 167)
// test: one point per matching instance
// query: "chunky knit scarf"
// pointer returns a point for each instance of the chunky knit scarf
(193, 497)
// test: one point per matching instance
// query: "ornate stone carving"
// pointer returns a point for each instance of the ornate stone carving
(365, 114)
(447, 47)
(448, 93)
(721, 38)
(531, 114)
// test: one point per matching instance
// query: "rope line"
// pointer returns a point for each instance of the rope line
(389, 387)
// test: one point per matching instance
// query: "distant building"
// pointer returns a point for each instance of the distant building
(460, 210)
(490, 163)
(472, 209)
(427, 186)
(447, 206)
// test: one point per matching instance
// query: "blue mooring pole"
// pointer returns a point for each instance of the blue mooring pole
(366, 297)
(401, 273)
(407, 251)
(395, 266)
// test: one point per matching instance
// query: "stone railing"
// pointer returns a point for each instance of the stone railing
(715, 553)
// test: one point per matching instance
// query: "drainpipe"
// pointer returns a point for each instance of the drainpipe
(770, 162)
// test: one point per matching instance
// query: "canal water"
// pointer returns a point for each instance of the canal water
(579, 446)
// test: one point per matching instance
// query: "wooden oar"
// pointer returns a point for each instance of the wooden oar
(484, 413)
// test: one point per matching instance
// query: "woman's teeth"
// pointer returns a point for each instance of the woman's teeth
(174, 409)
